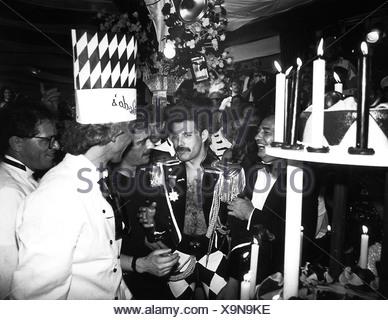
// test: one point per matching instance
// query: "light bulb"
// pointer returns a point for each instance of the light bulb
(169, 51)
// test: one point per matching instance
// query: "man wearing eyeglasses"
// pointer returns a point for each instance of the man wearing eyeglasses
(27, 144)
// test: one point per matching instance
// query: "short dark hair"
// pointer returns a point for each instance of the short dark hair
(79, 138)
(3, 89)
(201, 116)
(21, 119)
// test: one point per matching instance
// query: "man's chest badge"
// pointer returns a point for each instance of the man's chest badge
(173, 196)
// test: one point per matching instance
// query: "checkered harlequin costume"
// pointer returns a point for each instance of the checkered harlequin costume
(212, 276)
(203, 258)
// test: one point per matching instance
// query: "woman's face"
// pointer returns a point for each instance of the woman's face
(7, 95)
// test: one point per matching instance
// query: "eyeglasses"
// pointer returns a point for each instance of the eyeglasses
(51, 140)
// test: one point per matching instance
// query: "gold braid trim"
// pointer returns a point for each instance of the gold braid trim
(183, 275)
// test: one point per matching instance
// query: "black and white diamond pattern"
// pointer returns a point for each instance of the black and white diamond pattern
(212, 275)
(103, 60)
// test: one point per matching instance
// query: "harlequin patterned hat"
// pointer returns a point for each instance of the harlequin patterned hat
(104, 76)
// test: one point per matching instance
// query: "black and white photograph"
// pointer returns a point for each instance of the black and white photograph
(193, 157)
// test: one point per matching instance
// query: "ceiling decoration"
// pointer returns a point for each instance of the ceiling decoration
(35, 42)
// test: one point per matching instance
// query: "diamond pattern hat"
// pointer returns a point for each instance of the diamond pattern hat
(104, 76)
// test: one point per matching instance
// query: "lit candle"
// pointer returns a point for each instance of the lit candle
(363, 98)
(317, 114)
(245, 287)
(253, 265)
(287, 98)
(362, 262)
(364, 70)
(279, 103)
(338, 85)
(295, 104)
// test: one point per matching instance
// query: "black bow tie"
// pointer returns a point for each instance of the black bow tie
(113, 198)
(267, 166)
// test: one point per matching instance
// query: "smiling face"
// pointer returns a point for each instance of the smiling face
(36, 153)
(265, 137)
(189, 143)
(7, 95)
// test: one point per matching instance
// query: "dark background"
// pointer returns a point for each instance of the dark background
(35, 42)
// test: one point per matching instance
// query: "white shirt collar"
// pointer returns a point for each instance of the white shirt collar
(29, 172)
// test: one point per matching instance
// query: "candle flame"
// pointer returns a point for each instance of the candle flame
(277, 66)
(364, 48)
(288, 70)
(329, 228)
(301, 228)
(320, 48)
(247, 276)
(255, 240)
(364, 229)
(299, 62)
(245, 255)
(336, 77)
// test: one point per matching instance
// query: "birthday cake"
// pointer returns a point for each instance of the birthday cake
(340, 126)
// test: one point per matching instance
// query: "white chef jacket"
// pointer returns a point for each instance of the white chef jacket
(15, 185)
(66, 235)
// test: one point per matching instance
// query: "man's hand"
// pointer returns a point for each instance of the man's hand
(146, 215)
(159, 262)
(240, 208)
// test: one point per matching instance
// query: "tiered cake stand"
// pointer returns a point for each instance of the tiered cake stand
(294, 208)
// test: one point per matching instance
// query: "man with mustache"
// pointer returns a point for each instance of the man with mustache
(28, 143)
(130, 179)
(264, 205)
(191, 203)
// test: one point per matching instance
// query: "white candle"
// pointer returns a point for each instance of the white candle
(254, 264)
(245, 287)
(317, 115)
(338, 85)
(362, 262)
(279, 103)
(293, 222)
(301, 246)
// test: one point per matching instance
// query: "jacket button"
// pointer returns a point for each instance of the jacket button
(110, 242)
(114, 270)
(116, 298)
(103, 211)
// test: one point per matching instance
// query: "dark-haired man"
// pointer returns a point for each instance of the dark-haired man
(130, 178)
(265, 205)
(28, 142)
(194, 205)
